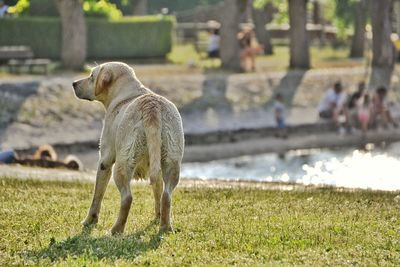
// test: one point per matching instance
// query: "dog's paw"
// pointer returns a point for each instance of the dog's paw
(90, 220)
(166, 229)
(117, 230)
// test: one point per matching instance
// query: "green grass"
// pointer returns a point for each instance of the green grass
(39, 224)
(321, 57)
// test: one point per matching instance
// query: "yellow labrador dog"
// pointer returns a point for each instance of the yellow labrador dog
(142, 137)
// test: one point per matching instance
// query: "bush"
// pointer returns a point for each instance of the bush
(101, 9)
(47, 8)
(20, 8)
(135, 37)
(43, 35)
(148, 36)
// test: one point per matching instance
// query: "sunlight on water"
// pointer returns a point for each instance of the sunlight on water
(358, 170)
(378, 169)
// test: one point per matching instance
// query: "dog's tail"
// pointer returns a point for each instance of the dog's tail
(152, 126)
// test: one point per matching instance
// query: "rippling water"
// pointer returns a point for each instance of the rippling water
(374, 169)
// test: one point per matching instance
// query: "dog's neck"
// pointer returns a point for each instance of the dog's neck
(125, 91)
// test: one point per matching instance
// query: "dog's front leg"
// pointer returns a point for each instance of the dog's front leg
(102, 179)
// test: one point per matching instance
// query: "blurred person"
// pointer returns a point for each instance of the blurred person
(332, 106)
(213, 44)
(381, 108)
(364, 110)
(3, 9)
(280, 116)
(353, 103)
(249, 47)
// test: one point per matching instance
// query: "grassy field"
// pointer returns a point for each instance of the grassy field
(321, 57)
(39, 224)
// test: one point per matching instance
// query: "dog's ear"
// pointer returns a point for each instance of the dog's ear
(103, 81)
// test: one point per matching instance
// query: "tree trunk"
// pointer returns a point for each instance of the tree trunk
(383, 58)
(260, 18)
(139, 7)
(230, 18)
(316, 13)
(73, 46)
(299, 47)
(358, 40)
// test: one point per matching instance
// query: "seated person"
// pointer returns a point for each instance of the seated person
(381, 108)
(332, 105)
(353, 103)
(364, 109)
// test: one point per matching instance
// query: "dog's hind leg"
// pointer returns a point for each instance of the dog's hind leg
(157, 185)
(122, 181)
(171, 170)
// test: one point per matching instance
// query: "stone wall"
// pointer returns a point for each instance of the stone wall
(46, 111)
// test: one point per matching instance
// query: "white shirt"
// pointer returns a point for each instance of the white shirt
(331, 97)
(213, 43)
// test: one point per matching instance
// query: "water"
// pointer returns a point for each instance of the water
(374, 169)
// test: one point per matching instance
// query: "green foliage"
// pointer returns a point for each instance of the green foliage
(91, 8)
(149, 36)
(40, 226)
(20, 8)
(101, 9)
(281, 16)
(341, 14)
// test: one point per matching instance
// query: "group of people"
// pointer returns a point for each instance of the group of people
(357, 110)
(249, 47)
(360, 109)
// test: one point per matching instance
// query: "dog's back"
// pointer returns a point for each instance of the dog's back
(149, 134)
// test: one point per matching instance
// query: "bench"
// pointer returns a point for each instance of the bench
(18, 57)
(15, 65)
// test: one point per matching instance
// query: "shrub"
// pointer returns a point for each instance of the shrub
(47, 8)
(43, 35)
(20, 8)
(148, 36)
(135, 37)
(101, 9)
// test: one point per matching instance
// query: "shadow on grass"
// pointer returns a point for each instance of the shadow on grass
(127, 246)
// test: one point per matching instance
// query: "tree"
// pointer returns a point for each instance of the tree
(383, 50)
(139, 7)
(360, 20)
(262, 16)
(73, 46)
(299, 47)
(230, 18)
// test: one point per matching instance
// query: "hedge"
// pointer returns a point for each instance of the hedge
(43, 35)
(135, 37)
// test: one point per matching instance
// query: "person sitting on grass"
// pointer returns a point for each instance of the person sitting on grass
(332, 106)
(381, 108)
(353, 103)
(280, 116)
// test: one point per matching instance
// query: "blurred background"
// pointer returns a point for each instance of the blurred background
(229, 104)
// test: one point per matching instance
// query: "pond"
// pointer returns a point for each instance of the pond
(375, 168)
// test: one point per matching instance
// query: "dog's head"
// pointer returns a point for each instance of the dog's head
(99, 84)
